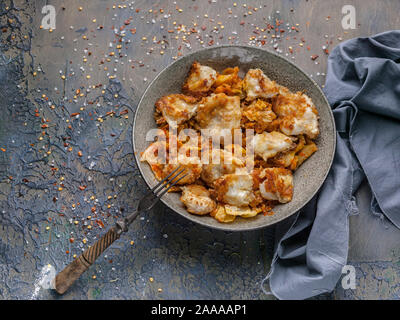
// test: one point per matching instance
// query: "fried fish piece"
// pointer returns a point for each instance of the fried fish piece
(257, 85)
(197, 199)
(235, 189)
(200, 80)
(268, 144)
(156, 156)
(220, 114)
(297, 113)
(221, 162)
(277, 184)
(177, 108)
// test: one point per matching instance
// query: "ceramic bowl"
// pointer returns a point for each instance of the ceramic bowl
(307, 179)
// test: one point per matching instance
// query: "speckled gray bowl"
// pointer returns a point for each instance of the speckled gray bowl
(307, 179)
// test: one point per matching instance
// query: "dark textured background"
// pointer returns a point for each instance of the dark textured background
(40, 175)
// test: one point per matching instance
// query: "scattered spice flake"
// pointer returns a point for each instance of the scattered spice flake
(100, 223)
(82, 187)
(314, 57)
(80, 153)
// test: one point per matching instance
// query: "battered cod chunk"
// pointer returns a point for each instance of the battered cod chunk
(200, 80)
(177, 108)
(297, 112)
(220, 114)
(156, 156)
(221, 162)
(268, 144)
(197, 199)
(258, 85)
(277, 184)
(235, 189)
(258, 115)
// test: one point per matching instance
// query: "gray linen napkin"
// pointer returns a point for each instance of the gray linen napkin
(363, 89)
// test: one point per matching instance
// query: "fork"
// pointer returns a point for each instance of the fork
(73, 271)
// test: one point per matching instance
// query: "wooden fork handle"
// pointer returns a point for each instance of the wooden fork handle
(74, 270)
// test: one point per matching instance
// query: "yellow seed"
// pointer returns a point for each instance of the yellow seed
(159, 290)
(132, 243)
(76, 222)
(94, 277)
(47, 228)
(63, 77)
(151, 279)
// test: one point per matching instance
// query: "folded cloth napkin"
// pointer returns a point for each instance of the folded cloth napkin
(363, 89)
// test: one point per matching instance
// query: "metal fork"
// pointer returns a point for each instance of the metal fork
(73, 271)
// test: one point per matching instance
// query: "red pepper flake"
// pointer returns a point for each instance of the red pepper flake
(314, 57)
(133, 31)
(75, 114)
(241, 23)
(100, 223)
(123, 112)
(326, 51)
(44, 126)
(93, 209)
(127, 22)
(82, 187)
(72, 240)
(80, 153)
(3, 149)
